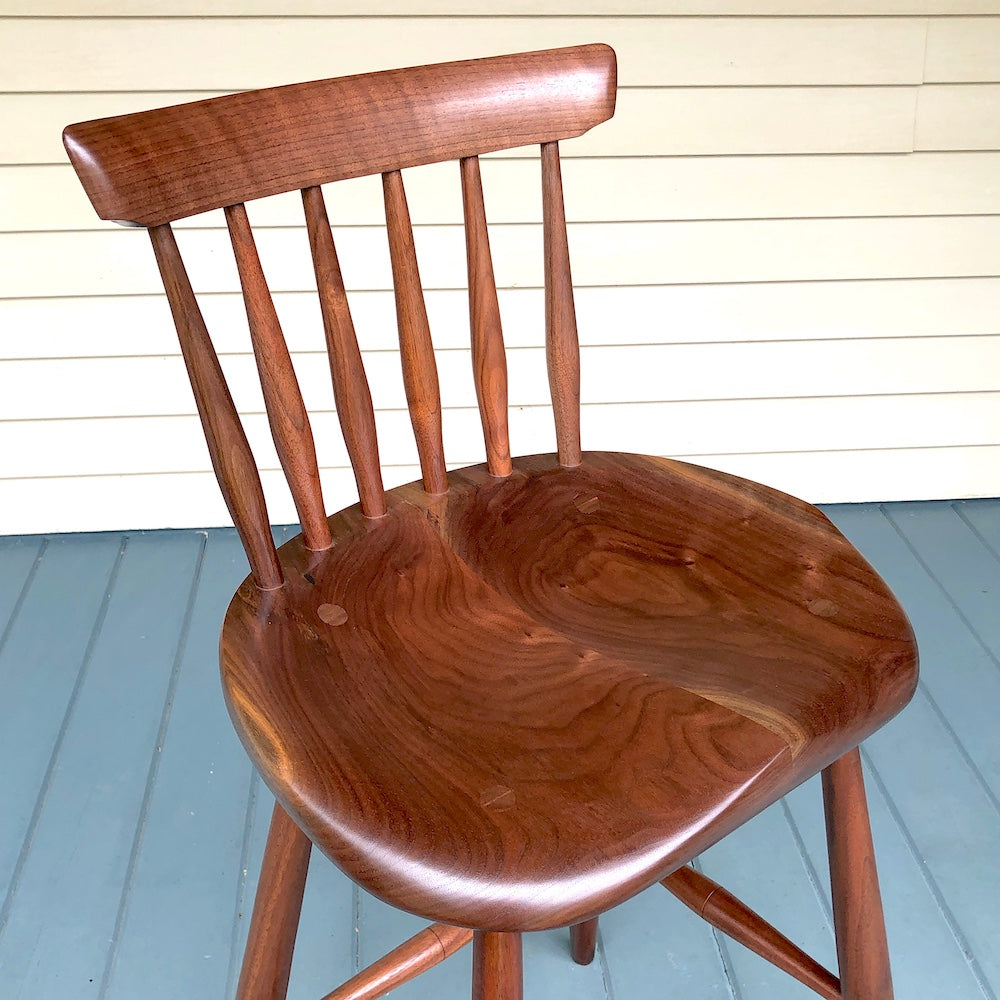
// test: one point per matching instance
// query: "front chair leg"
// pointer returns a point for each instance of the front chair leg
(862, 950)
(267, 959)
(583, 941)
(496, 966)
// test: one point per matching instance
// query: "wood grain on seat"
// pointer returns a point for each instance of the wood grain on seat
(539, 694)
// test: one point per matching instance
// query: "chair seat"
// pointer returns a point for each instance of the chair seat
(515, 704)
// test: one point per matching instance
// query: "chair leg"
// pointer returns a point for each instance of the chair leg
(857, 904)
(267, 959)
(496, 966)
(583, 941)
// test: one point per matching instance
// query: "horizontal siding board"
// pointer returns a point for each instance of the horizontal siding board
(963, 49)
(958, 116)
(648, 121)
(272, 51)
(47, 389)
(621, 8)
(141, 325)
(120, 261)
(908, 473)
(631, 189)
(99, 503)
(145, 445)
(749, 190)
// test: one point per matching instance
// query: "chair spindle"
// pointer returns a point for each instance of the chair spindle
(286, 413)
(489, 362)
(416, 350)
(350, 386)
(227, 443)
(562, 348)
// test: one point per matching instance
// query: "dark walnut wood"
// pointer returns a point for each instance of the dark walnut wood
(267, 959)
(416, 352)
(350, 384)
(733, 917)
(496, 967)
(228, 448)
(158, 166)
(286, 413)
(510, 696)
(583, 941)
(548, 691)
(489, 360)
(862, 950)
(562, 348)
(423, 951)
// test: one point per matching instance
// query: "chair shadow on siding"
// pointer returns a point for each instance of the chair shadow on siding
(510, 696)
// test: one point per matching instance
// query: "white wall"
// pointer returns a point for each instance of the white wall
(787, 244)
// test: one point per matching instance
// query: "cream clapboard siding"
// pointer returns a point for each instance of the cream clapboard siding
(787, 244)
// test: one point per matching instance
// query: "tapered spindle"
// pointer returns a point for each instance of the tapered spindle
(350, 385)
(733, 917)
(416, 350)
(286, 413)
(562, 348)
(421, 952)
(227, 443)
(489, 362)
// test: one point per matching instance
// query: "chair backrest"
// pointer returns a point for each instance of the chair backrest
(155, 167)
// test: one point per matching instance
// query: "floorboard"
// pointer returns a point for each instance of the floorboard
(132, 823)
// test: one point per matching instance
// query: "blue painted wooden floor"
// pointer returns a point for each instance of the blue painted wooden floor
(131, 824)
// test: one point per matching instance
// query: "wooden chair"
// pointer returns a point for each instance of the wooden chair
(512, 695)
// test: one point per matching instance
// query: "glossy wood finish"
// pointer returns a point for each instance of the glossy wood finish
(862, 950)
(496, 967)
(510, 696)
(151, 167)
(286, 413)
(489, 361)
(562, 348)
(423, 951)
(733, 917)
(227, 444)
(583, 941)
(517, 658)
(267, 959)
(416, 352)
(350, 385)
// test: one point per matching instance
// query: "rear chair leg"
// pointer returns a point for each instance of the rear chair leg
(583, 941)
(857, 904)
(267, 959)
